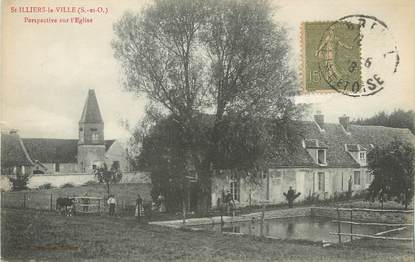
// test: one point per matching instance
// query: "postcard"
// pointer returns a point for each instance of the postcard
(184, 130)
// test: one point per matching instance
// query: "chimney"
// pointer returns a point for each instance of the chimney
(344, 121)
(319, 118)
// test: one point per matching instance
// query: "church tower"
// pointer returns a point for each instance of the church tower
(91, 147)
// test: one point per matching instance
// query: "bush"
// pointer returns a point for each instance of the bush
(67, 185)
(90, 183)
(46, 186)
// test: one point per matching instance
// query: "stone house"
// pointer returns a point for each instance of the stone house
(327, 160)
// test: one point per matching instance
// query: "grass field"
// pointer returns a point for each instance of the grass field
(39, 235)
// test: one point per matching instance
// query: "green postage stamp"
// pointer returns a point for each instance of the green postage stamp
(331, 57)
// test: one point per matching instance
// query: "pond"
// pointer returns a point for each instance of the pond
(300, 228)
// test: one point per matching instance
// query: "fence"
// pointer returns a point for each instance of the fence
(47, 202)
(395, 226)
(88, 205)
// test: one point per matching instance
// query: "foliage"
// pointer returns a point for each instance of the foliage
(90, 183)
(66, 185)
(45, 186)
(393, 169)
(228, 58)
(19, 182)
(108, 176)
(398, 118)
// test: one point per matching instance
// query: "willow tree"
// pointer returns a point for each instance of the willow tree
(226, 57)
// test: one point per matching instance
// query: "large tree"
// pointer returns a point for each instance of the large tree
(228, 58)
(393, 171)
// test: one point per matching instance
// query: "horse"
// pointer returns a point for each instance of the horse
(65, 205)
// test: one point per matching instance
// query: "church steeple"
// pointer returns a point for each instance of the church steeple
(91, 113)
(91, 126)
(91, 146)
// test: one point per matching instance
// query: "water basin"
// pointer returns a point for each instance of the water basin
(300, 228)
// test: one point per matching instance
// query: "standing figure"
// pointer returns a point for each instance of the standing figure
(139, 210)
(112, 202)
(291, 196)
(229, 201)
(85, 202)
(162, 204)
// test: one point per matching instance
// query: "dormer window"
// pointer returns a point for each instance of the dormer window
(362, 156)
(321, 157)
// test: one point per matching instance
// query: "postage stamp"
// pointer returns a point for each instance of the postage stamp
(331, 52)
(355, 55)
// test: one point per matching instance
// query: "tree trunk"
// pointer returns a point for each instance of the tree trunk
(108, 188)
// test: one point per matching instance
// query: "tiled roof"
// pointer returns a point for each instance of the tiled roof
(314, 143)
(91, 113)
(108, 144)
(335, 138)
(12, 151)
(355, 148)
(352, 147)
(49, 150)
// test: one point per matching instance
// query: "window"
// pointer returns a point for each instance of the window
(368, 177)
(321, 181)
(276, 174)
(234, 187)
(116, 164)
(362, 156)
(321, 157)
(57, 167)
(356, 177)
(94, 167)
(93, 129)
(81, 135)
(95, 136)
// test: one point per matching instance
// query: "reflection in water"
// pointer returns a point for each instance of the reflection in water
(290, 230)
(309, 228)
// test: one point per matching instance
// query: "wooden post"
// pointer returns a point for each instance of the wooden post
(184, 212)
(338, 225)
(99, 206)
(262, 221)
(351, 225)
(24, 200)
(51, 203)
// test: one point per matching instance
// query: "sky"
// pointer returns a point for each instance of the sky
(47, 69)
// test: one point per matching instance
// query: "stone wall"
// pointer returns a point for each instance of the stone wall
(380, 217)
(282, 213)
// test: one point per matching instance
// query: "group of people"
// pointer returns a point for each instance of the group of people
(139, 207)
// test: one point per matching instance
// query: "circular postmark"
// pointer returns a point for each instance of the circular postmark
(357, 55)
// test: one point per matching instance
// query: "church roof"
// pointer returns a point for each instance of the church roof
(13, 151)
(91, 113)
(52, 150)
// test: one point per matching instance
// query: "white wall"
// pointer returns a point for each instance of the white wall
(77, 179)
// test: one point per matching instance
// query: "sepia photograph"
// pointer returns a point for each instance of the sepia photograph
(207, 130)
